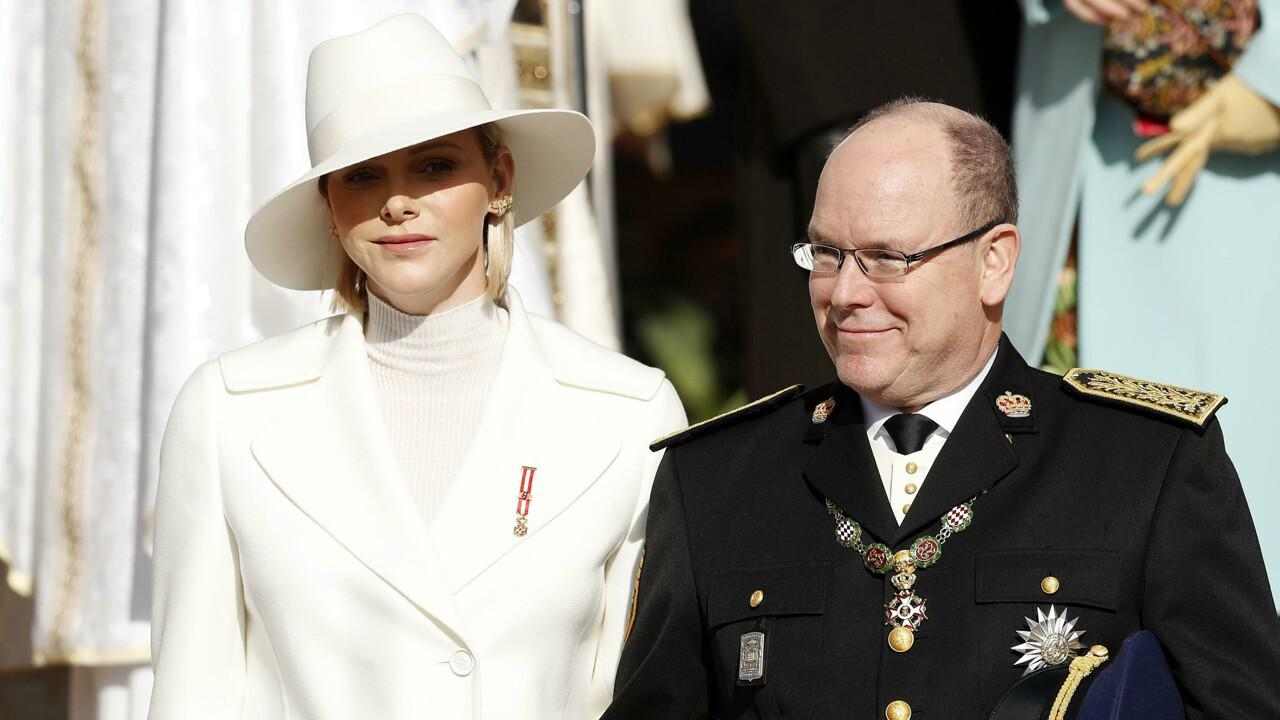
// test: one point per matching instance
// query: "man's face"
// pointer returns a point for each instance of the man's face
(905, 341)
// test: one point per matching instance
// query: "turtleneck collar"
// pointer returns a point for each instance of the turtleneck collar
(434, 344)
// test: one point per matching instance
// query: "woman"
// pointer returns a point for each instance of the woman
(431, 506)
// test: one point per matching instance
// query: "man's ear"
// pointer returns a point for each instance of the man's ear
(1000, 250)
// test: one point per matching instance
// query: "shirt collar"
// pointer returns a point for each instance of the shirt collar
(945, 410)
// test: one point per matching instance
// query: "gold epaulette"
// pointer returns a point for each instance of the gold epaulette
(746, 411)
(1190, 406)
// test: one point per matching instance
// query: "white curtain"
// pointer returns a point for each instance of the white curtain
(138, 136)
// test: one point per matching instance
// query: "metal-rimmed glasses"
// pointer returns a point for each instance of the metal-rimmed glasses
(879, 263)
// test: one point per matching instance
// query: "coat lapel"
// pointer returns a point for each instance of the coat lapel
(978, 454)
(530, 420)
(328, 453)
(843, 470)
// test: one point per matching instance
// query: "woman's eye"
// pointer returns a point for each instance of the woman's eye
(435, 167)
(359, 177)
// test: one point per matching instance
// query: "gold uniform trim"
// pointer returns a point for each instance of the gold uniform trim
(666, 440)
(1193, 406)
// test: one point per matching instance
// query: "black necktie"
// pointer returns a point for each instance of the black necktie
(909, 431)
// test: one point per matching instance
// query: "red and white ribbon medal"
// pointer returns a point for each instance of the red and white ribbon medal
(522, 500)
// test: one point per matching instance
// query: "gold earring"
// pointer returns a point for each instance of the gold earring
(501, 205)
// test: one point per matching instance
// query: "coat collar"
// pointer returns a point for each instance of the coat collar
(327, 452)
(304, 355)
(977, 455)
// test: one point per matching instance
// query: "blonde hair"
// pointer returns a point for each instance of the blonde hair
(498, 244)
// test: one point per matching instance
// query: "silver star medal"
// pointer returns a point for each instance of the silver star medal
(1049, 640)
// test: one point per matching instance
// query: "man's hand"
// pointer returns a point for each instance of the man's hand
(1102, 12)
(1230, 117)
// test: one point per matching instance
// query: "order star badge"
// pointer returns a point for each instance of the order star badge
(1049, 640)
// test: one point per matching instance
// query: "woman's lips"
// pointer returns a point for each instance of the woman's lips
(403, 243)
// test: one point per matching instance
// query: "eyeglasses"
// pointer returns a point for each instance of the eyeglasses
(879, 263)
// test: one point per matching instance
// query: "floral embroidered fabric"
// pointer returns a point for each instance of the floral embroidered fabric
(1161, 60)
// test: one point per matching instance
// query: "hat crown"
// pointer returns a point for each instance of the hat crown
(398, 69)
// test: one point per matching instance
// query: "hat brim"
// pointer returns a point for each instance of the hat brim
(288, 238)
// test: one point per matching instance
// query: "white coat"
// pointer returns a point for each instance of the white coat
(295, 579)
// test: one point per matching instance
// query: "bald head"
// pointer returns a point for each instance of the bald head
(978, 163)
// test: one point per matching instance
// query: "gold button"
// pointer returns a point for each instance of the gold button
(906, 508)
(1050, 585)
(1099, 651)
(897, 710)
(757, 597)
(911, 488)
(912, 468)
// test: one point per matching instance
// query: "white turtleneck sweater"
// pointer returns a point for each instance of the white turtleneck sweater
(431, 374)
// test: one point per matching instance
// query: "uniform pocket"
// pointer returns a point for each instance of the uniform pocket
(767, 592)
(1013, 588)
(786, 604)
(1065, 577)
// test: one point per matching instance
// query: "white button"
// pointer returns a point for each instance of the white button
(462, 663)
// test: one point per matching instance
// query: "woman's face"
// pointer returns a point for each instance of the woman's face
(413, 219)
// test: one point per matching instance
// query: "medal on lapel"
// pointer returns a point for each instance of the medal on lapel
(522, 500)
(822, 411)
(1013, 405)
(905, 612)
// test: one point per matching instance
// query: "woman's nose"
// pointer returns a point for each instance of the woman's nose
(398, 209)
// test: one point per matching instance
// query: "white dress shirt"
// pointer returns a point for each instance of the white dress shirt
(904, 475)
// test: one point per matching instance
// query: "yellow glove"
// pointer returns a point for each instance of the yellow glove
(1230, 116)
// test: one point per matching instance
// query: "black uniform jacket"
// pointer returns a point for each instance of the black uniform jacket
(1140, 517)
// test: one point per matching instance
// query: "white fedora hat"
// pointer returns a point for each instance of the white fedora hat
(394, 85)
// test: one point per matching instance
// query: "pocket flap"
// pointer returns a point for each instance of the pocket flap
(1083, 577)
(779, 590)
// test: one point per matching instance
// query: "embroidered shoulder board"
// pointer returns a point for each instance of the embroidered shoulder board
(1190, 406)
(724, 420)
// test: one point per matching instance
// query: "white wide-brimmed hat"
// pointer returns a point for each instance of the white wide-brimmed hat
(394, 85)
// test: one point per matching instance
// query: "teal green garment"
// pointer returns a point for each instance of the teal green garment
(1188, 296)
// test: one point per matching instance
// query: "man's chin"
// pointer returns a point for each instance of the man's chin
(864, 375)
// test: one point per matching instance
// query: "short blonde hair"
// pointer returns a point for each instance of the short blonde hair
(498, 244)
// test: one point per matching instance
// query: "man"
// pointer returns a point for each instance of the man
(909, 540)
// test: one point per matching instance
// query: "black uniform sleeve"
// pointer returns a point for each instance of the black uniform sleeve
(664, 671)
(1207, 597)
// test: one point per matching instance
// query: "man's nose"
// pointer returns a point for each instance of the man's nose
(398, 209)
(852, 287)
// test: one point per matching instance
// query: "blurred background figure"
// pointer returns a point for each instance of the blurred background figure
(1146, 131)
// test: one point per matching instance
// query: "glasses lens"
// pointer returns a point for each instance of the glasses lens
(816, 258)
(881, 263)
